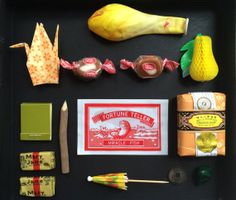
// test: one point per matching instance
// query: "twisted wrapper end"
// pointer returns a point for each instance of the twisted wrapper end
(170, 64)
(126, 64)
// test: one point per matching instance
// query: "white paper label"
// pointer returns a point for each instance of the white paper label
(204, 101)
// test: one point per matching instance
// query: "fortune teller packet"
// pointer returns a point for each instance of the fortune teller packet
(201, 124)
(122, 127)
(34, 161)
(43, 186)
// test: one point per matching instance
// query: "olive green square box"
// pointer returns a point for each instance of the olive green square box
(36, 121)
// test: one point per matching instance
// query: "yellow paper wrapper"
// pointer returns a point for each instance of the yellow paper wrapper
(201, 124)
(37, 161)
(42, 57)
(43, 186)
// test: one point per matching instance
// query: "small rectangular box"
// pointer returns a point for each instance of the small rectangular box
(36, 121)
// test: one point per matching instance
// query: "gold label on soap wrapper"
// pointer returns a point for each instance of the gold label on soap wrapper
(201, 120)
(206, 142)
(205, 121)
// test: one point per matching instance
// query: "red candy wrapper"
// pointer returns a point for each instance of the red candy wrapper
(89, 68)
(149, 66)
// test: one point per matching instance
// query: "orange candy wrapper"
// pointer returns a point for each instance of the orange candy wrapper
(201, 124)
(42, 57)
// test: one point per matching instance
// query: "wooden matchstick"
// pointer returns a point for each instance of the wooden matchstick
(146, 181)
(65, 167)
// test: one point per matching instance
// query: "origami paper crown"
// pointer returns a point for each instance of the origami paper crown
(43, 62)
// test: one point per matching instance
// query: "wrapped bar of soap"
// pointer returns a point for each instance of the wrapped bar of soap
(34, 161)
(43, 186)
(89, 68)
(149, 66)
(201, 124)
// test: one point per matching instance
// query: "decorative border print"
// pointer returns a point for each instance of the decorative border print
(201, 120)
(122, 127)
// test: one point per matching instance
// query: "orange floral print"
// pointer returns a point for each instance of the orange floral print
(37, 58)
(47, 56)
(43, 61)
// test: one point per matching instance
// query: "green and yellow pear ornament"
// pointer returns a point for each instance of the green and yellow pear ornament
(198, 61)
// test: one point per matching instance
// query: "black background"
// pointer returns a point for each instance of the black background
(18, 19)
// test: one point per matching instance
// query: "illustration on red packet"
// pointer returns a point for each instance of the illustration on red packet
(122, 127)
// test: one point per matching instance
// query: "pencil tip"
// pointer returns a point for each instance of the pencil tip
(64, 106)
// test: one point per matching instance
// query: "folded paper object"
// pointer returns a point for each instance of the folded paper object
(43, 186)
(122, 127)
(201, 124)
(42, 57)
(34, 161)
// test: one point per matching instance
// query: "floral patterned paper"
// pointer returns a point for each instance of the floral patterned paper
(43, 62)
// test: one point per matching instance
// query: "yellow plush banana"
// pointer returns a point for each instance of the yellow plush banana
(203, 66)
(117, 22)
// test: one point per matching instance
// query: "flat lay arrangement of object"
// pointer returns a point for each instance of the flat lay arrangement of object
(126, 93)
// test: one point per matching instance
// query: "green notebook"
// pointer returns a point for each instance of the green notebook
(36, 121)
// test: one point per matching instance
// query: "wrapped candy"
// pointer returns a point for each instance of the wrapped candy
(33, 161)
(43, 186)
(149, 66)
(201, 124)
(89, 68)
